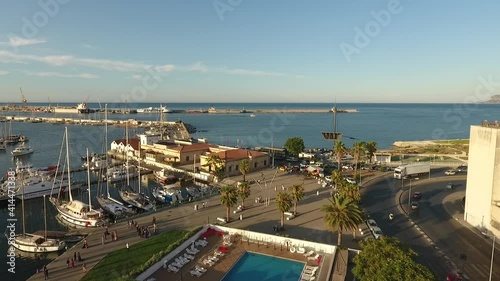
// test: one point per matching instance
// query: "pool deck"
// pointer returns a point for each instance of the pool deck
(238, 248)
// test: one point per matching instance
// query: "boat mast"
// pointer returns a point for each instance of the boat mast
(67, 161)
(126, 152)
(45, 217)
(88, 179)
(22, 202)
(106, 144)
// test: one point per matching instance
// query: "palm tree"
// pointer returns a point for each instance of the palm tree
(243, 192)
(339, 150)
(228, 198)
(283, 203)
(213, 161)
(297, 194)
(371, 148)
(341, 214)
(244, 167)
(358, 150)
(350, 190)
(338, 178)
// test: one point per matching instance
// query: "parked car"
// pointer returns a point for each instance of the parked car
(417, 195)
(450, 186)
(414, 205)
(371, 223)
(461, 169)
(350, 180)
(377, 232)
(450, 172)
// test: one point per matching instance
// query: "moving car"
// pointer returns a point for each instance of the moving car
(461, 169)
(414, 205)
(417, 195)
(371, 224)
(450, 186)
(450, 172)
(377, 232)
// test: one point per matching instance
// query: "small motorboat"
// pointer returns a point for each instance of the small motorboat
(22, 150)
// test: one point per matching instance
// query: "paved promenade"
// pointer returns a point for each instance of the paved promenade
(256, 217)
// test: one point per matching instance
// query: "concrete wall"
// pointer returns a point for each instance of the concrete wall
(483, 178)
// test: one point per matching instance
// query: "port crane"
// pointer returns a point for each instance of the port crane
(24, 100)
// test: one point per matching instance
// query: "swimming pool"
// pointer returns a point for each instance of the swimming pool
(255, 267)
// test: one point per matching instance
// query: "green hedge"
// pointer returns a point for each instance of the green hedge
(126, 264)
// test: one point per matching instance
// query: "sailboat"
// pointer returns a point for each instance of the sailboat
(35, 243)
(108, 203)
(76, 212)
(138, 200)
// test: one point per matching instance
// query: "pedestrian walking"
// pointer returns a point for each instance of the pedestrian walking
(102, 240)
(46, 272)
(127, 246)
(74, 256)
(67, 263)
(72, 263)
(84, 267)
(317, 192)
(116, 235)
(79, 257)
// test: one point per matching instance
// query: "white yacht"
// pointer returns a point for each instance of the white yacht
(167, 194)
(22, 150)
(36, 243)
(120, 173)
(76, 212)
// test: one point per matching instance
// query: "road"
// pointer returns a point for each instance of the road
(379, 200)
(448, 231)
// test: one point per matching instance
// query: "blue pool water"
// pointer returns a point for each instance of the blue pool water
(255, 267)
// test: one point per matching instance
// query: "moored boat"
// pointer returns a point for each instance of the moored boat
(22, 150)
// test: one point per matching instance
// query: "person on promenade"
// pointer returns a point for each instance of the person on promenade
(102, 239)
(46, 272)
(72, 263)
(116, 235)
(79, 257)
(67, 263)
(84, 267)
(74, 256)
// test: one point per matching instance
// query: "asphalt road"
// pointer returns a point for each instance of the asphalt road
(379, 199)
(448, 232)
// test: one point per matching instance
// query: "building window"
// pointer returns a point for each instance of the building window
(187, 158)
(230, 168)
(237, 167)
(265, 162)
(255, 165)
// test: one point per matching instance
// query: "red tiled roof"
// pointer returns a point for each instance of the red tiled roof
(238, 154)
(193, 147)
(134, 143)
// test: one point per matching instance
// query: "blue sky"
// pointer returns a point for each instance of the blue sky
(247, 50)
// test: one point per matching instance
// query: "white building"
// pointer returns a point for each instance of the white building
(482, 205)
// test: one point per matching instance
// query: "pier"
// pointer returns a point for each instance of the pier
(129, 111)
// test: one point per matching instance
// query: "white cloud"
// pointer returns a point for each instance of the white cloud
(122, 66)
(19, 42)
(88, 62)
(63, 75)
(137, 77)
(4, 72)
(88, 46)
(165, 68)
(201, 67)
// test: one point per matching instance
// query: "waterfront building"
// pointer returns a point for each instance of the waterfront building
(123, 147)
(482, 204)
(232, 156)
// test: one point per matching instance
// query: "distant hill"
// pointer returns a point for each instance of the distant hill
(494, 99)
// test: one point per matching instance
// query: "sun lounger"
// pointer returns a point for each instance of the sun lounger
(311, 267)
(189, 257)
(301, 250)
(213, 258)
(208, 262)
(193, 249)
(307, 278)
(313, 258)
(172, 268)
(176, 264)
(195, 273)
(310, 272)
(309, 254)
(200, 269)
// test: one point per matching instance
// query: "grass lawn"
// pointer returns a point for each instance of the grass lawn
(126, 264)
